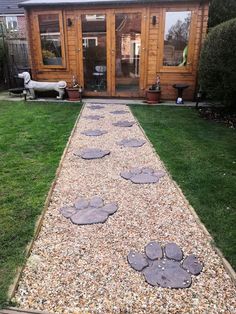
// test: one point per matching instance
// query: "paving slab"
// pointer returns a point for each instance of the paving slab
(84, 268)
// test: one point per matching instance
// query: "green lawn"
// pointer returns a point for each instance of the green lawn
(201, 157)
(32, 139)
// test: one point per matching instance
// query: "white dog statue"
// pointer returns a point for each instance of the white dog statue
(33, 86)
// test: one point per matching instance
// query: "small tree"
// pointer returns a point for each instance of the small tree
(217, 68)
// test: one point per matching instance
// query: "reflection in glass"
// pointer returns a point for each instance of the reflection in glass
(128, 43)
(50, 39)
(176, 38)
(94, 52)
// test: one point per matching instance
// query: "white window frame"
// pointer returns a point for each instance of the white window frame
(86, 41)
(10, 22)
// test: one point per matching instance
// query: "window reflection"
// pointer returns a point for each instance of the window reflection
(176, 37)
(94, 52)
(50, 39)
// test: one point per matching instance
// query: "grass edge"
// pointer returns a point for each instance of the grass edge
(13, 287)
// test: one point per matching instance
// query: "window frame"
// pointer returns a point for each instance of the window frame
(189, 65)
(11, 19)
(62, 37)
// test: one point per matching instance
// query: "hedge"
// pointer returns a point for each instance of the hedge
(217, 68)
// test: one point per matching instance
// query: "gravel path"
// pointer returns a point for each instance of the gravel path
(84, 269)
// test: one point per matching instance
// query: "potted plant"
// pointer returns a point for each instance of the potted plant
(74, 91)
(153, 94)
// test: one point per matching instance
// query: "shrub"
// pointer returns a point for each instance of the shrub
(217, 68)
(221, 11)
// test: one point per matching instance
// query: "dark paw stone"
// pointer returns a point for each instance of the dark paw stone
(93, 117)
(143, 175)
(89, 216)
(153, 250)
(124, 124)
(91, 211)
(119, 112)
(131, 142)
(95, 107)
(137, 260)
(162, 271)
(192, 264)
(92, 153)
(173, 251)
(93, 132)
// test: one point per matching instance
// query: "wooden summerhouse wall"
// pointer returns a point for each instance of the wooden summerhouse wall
(153, 45)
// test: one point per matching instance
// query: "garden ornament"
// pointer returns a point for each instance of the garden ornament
(33, 86)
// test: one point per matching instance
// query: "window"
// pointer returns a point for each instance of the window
(176, 38)
(50, 38)
(90, 42)
(11, 22)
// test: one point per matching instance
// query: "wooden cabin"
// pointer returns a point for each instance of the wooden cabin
(116, 48)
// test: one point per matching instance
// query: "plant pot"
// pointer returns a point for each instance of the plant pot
(73, 94)
(153, 96)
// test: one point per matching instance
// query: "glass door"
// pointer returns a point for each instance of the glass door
(127, 53)
(94, 45)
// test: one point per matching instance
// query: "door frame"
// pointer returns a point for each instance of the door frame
(111, 49)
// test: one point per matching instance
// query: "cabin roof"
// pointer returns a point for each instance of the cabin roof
(31, 3)
(10, 7)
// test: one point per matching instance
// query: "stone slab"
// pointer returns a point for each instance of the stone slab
(91, 211)
(95, 132)
(131, 142)
(143, 175)
(95, 107)
(93, 117)
(92, 153)
(124, 124)
(117, 112)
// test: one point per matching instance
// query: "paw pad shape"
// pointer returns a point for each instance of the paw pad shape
(85, 212)
(165, 267)
(142, 175)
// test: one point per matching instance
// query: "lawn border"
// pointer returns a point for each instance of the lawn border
(13, 287)
(229, 269)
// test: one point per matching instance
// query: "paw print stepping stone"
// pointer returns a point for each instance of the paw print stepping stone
(143, 175)
(94, 132)
(124, 124)
(93, 117)
(92, 153)
(165, 271)
(117, 112)
(173, 251)
(96, 107)
(137, 260)
(85, 212)
(192, 264)
(132, 142)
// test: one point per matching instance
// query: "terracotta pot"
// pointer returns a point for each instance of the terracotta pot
(153, 96)
(73, 94)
